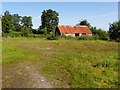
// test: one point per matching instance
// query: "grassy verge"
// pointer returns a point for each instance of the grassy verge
(68, 63)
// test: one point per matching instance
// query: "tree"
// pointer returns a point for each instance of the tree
(98, 32)
(102, 34)
(114, 31)
(27, 24)
(7, 24)
(27, 21)
(16, 21)
(84, 22)
(49, 20)
(25, 31)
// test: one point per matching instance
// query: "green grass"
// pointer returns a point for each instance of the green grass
(68, 63)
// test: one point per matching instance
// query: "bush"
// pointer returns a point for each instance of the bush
(101, 34)
(41, 31)
(85, 38)
(36, 35)
(117, 40)
(68, 37)
(4, 34)
(96, 37)
(52, 37)
(24, 33)
(14, 34)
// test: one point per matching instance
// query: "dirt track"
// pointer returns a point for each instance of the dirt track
(23, 75)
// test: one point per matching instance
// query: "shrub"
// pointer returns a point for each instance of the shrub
(36, 35)
(14, 34)
(96, 37)
(68, 37)
(85, 38)
(41, 31)
(52, 37)
(4, 34)
(24, 33)
(102, 35)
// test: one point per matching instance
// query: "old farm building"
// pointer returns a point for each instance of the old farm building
(73, 31)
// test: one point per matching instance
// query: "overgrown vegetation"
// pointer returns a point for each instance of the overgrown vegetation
(67, 63)
(97, 32)
(114, 31)
(17, 24)
(21, 26)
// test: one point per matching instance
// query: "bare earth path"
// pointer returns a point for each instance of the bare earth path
(23, 75)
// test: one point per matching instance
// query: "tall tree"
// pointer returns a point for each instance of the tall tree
(49, 20)
(27, 23)
(7, 24)
(114, 31)
(84, 22)
(16, 21)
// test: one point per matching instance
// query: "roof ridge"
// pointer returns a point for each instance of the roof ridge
(74, 26)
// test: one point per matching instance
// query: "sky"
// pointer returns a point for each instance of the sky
(119, 10)
(98, 14)
(60, 0)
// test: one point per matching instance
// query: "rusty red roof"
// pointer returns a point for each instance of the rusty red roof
(74, 29)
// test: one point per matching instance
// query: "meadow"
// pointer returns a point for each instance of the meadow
(67, 63)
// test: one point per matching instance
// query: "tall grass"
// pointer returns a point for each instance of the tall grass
(68, 63)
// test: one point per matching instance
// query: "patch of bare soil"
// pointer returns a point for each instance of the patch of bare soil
(23, 75)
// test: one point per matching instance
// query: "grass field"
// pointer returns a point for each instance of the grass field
(67, 63)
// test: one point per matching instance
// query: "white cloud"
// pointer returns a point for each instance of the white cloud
(36, 22)
(38, 17)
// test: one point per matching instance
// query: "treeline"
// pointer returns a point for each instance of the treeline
(16, 25)
(113, 34)
(98, 33)
(21, 26)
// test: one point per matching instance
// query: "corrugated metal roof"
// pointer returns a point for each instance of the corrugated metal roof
(74, 29)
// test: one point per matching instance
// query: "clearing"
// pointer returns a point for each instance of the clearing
(40, 63)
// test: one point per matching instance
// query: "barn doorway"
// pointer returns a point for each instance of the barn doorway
(76, 35)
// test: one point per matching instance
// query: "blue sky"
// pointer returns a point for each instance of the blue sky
(99, 14)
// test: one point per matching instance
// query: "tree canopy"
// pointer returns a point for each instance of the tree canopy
(84, 22)
(49, 20)
(101, 34)
(16, 19)
(26, 25)
(7, 24)
(27, 22)
(22, 25)
(114, 31)
(16, 23)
